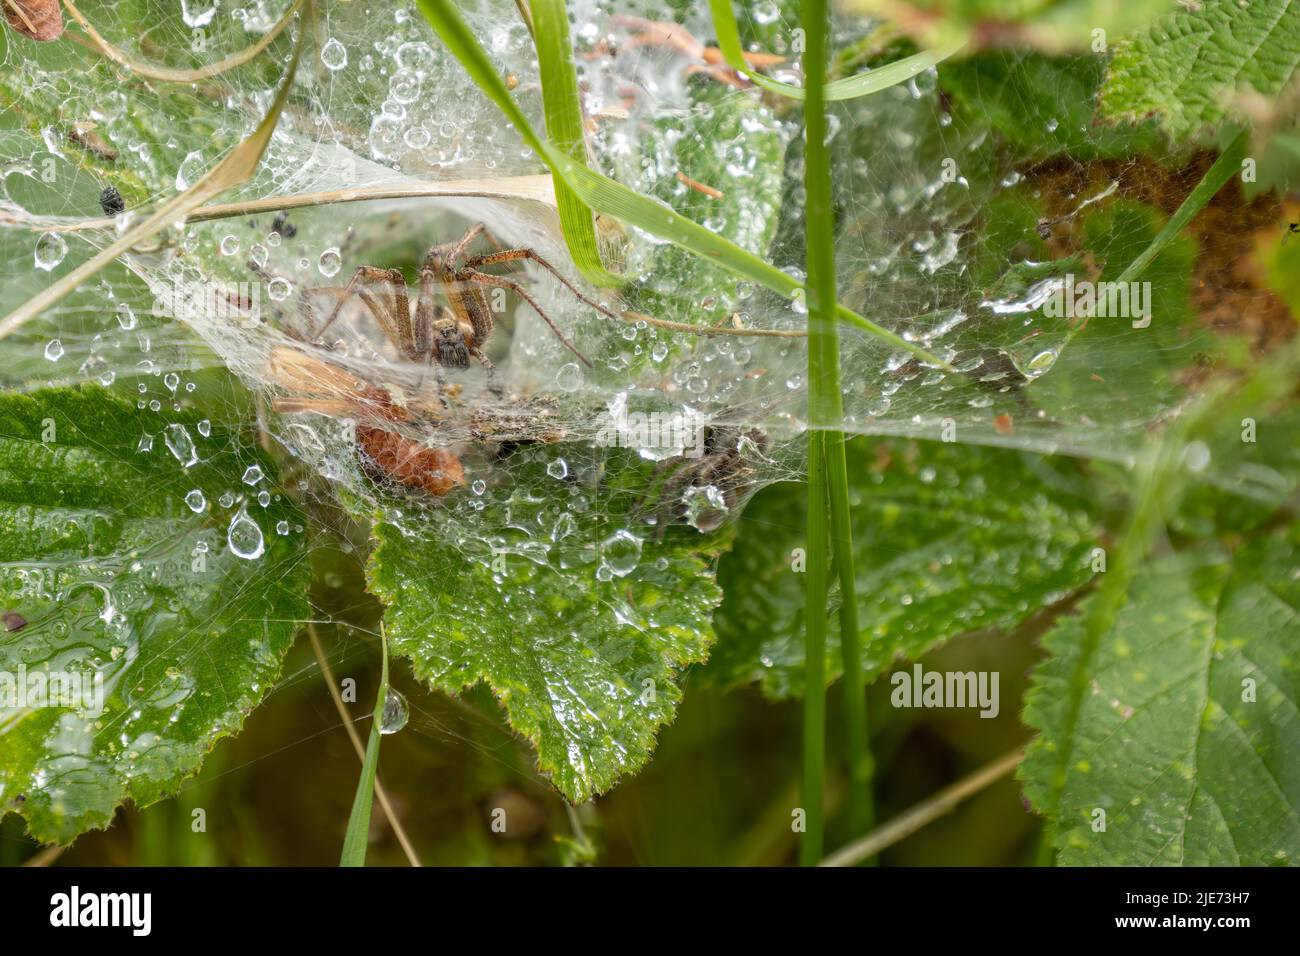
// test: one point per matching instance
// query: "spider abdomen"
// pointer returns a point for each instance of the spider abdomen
(391, 457)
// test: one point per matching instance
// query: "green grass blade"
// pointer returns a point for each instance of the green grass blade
(606, 196)
(857, 740)
(829, 484)
(823, 391)
(863, 84)
(814, 699)
(564, 129)
(358, 832)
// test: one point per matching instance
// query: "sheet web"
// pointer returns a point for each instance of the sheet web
(939, 241)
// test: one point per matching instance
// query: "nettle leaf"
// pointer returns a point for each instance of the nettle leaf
(949, 539)
(110, 577)
(577, 618)
(1182, 726)
(1042, 105)
(1186, 68)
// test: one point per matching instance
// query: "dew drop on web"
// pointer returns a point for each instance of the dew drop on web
(50, 250)
(245, 537)
(180, 444)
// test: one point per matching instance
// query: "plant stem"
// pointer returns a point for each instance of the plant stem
(814, 695)
(857, 739)
(928, 810)
(827, 469)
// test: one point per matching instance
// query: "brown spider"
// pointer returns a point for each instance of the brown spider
(722, 469)
(435, 334)
(431, 334)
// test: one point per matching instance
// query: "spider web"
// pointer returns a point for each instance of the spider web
(924, 248)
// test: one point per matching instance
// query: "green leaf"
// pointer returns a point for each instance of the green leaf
(1186, 68)
(580, 638)
(116, 577)
(1052, 25)
(1043, 106)
(1188, 735)
(949, 539)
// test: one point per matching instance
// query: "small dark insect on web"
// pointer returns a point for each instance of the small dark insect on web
(1292, 229)
(111, 201)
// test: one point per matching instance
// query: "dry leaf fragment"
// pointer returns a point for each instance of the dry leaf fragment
(37, 19)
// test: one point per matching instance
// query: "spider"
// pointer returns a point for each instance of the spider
(722, 474)
(431, 334)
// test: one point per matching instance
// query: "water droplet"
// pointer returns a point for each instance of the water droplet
(245, 537)
(558, 468)
(794, 381)
(706, 507)
(198, 13)
(204, 427)
(414, 56)
(404, 87)
(330, 262)
(396, 713)
(334, 54)
(190, 172)
(1040, 363)
(229, 245)
(1196, 456)
(620, 553)
(50, 250)
(126, 317)
(252, 474)
(417, 137)
(196, 501)
(278, 289)
(54, 350)
(569, 377)
(282, 527)
(180, 444)
(659, 352)
(478, 487)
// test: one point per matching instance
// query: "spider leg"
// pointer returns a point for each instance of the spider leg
(512, 255)
(383, 318)
(426, 314)
(488, 279)
(459, 248)
(395, 305)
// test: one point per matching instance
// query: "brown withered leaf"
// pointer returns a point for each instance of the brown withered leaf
(38, 19)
